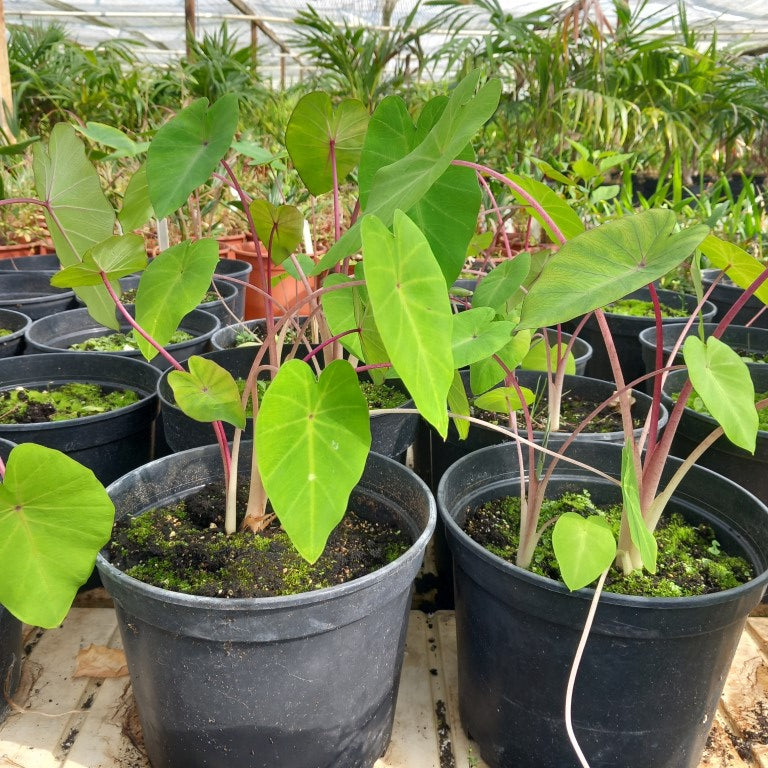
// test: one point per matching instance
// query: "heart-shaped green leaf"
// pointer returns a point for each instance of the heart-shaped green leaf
(564, 217)
(488, 373)
(137, 207)
(498, 287)
(605, 264)
(339, 310)
(172, 285)
(504, 399)
(280, 228)
(641, 537)
(312, 440)
(539, 359)
(410, 302)
(477, 336)
(458, 403)
(82, 216)
(186, 150)
(584, 548)
(721, 378)
(207, 392)
(314, 128)
(447, 213)
(117, 256)
(740, 266)
(54, 518)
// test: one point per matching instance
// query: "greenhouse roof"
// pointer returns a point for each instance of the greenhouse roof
(158, 25)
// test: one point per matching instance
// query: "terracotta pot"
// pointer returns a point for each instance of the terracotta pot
(228, 242)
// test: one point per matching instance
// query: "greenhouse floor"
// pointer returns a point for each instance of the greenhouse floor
(87, 720)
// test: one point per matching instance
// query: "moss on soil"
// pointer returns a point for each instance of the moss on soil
(697, 404)
(120, 342)
(5, 332)
(690, 559)
(382, 395)
(639, 308)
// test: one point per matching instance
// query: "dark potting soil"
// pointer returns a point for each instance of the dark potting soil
(697, 404)
(183, 548)
(690, 560)
(751, 357)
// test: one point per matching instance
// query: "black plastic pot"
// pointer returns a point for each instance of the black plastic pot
(653, 669)
(17, 323)
(752, 340)
(33, 294)
(305, 681)
(111, 443)
(225, 307)
(10, 632)
(626, 329)
(46, 262)
(723, 457)
(725, 295)
(224, 338)
(393, 433)
(58, 332)
(581, 351)
(239, 270)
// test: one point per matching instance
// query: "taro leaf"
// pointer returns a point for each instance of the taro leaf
(740, 266)
(605, 264)
(207, 392)
(54, 518)
(536, 359)
(447, 213)
(172, 285)
(82, 216)
(339, 310)
(498, 287)
(137, 208)
(280, 228)
(187, 149)
(305, 262)
(410, 303)
(504, 399)
(641, 537)
(564, 217)
(479, 242)
(374, 351)
(314, 127)
(458, 403)
(477, 336)
(402, 184)
(488, 373)
(113, 138)
(312, 440)
(117, 256)
(721, 379)
(256, 152)
(584, 548)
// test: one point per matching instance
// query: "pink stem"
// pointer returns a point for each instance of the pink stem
(328, 342)
(658, 364)
(486, 187)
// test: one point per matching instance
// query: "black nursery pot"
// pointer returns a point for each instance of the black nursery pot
(32, 294)
(581, 351)
(17, 323)
(110, 443)
(57, 332)
(239, 270)
(653, 669)
(725, 295)
(10, 632)
(45, 262)
(304, 681)
(747, 470)
(625, 330)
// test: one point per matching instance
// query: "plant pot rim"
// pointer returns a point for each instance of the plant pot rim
(637, 602)
(708, 308)
(273, 603)
(25, 320)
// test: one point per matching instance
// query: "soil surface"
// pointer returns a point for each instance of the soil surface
(120, 342)
(183, 548)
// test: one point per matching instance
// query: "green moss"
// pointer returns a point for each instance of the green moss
(638, 308)
(697, 404)
(382, 395)
(120, 342)
(5, 332)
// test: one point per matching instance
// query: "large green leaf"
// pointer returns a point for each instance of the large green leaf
(207, 392)
(137, 207)
(172, 285)
(740, 266)
(504, 399)
(280, 228)
(499, 286)
(403, 183)
(82, 216)
(340, 314)
(721, 379)
(314, 127)
(641, 537)
(447, 213)
(118, 256)
(410, 302)
(186, 150)
(54, 518)
(605, 264)
(564, 217)
(584, 548)
(477, 336)
(488, 373)
(312, 441)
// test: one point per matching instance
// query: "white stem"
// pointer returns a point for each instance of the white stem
(163, 239)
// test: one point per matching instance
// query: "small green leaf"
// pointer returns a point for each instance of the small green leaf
(584, 548)
(498, 287)
(339, 310)
(488, 373)
(314, 127)
(312, 440)
(642, 538)
(280, 228)
(740, 266)
(113, 138)
(118, 256)
(207, 392)
(458, 403)
(721, 379)
(504, 399)
(477, 336)
(55, 516)
(537, 357)
(187, 149)
(564, 217)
